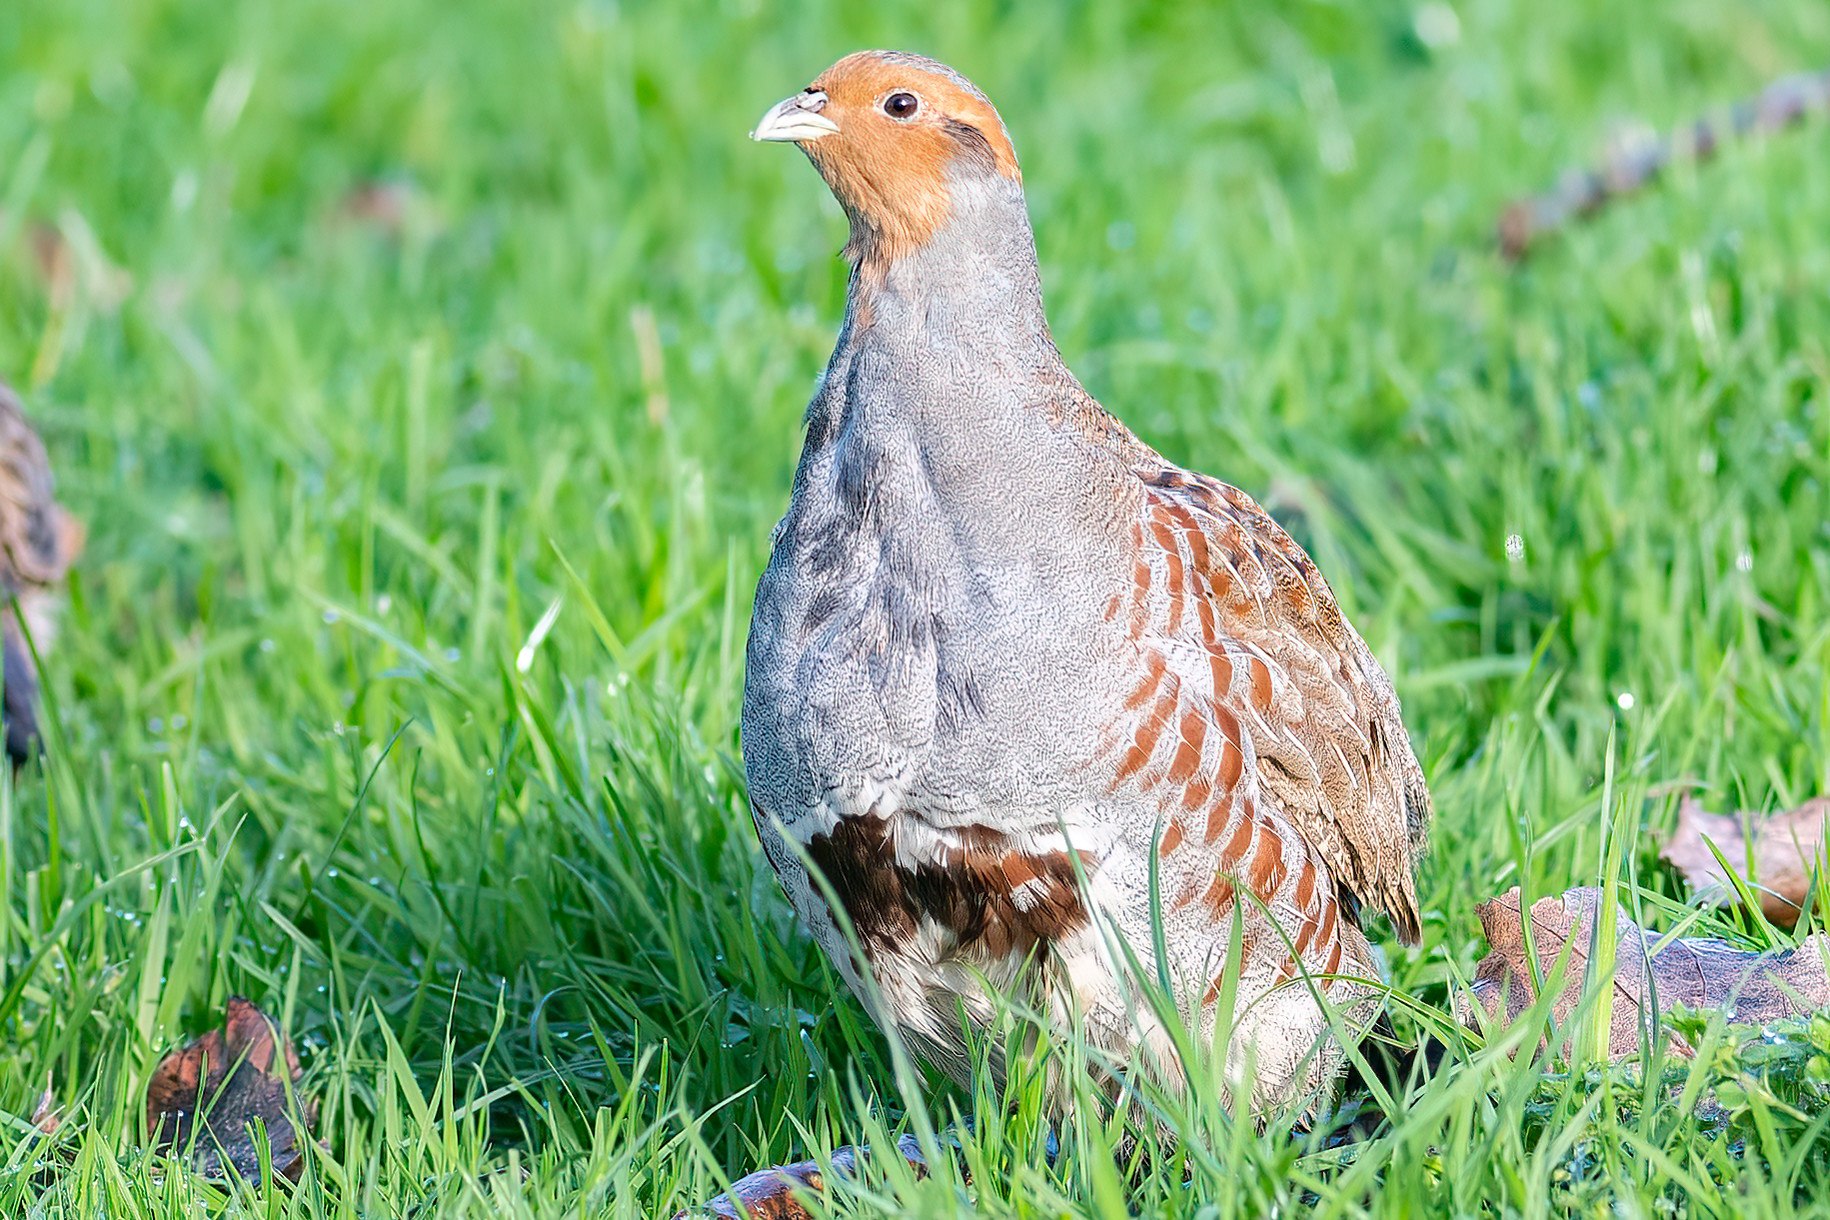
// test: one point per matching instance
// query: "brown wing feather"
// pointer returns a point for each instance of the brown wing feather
(1297, 712)
(1296, 715)
(1331, 745)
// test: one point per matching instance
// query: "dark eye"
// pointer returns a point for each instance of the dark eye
(901, 105)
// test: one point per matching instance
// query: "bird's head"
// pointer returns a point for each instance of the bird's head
(899, 139)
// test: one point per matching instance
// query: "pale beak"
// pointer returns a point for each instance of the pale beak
(795, 120)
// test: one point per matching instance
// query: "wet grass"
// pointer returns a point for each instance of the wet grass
(430, 377)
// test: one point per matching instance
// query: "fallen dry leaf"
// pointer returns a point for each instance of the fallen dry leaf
(51, 257)
(1786, 847)
(230, 1076)
(1650, 971)
(380, 203)
(392, 208)
(46, 1116)
(69, 256)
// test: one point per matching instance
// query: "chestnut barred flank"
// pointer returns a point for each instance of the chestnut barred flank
(1291, 703)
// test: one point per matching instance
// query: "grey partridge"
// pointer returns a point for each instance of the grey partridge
(1018, 687)
(38, 541)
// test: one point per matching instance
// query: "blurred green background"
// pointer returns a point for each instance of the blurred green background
(430, 375)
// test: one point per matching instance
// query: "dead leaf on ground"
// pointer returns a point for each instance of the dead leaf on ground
(1650, 970)
(234, 1076)
(389, 207)
(1786, 847)
(52, 260)
(46, 1116)
(68, 256)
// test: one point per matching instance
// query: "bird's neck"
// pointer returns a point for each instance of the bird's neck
(944, 369)
(971, 293)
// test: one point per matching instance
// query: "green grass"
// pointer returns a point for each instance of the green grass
(309, 746)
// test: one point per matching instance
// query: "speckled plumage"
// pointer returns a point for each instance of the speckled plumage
(1007, 661)
(38, 541)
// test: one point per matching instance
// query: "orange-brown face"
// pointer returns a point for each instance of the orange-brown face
(890, 133)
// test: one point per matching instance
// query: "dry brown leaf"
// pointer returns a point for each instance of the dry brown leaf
(232, 1076)
(380, 203)
(46, 1116)
(1786, 846)
(1649, 970)
(51, 257)
(69, 257)
(387, 207)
